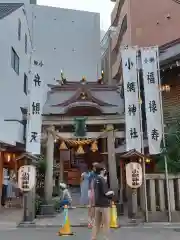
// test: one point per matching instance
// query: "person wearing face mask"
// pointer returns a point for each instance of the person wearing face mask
(103, 197)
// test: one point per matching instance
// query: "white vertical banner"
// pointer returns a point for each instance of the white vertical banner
(34, 124)
(150, 63)
(131, 96)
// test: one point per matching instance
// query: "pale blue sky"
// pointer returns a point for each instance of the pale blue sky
(104, 7)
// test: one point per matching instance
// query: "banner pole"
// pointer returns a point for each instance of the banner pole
(163, 139)
(142, 139)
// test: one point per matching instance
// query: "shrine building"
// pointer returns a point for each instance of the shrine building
(98, 106)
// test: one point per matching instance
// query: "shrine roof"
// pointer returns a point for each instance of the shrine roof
(76, 85)
(61, 98)
(170, 51)
(132, 153)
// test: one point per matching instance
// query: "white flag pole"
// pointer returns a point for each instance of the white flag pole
(163, 139)
(28, 95)
(142, 138)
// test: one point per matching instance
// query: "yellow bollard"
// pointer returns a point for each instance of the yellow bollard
(65, 230)
(113, 217)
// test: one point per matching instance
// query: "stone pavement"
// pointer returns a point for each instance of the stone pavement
(85, 234)
(77, 216)
(10, 217)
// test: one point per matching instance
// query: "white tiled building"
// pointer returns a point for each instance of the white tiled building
(66, 40)
(15, 49)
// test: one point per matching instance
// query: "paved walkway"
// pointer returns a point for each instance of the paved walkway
(10, 217)
(85, 234)
(78, 217)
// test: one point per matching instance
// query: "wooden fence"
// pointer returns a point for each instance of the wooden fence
(157, 200)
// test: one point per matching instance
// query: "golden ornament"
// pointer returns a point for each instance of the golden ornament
(63, 146)
(80, 150)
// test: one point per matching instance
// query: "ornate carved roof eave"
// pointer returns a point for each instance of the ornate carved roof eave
(63, 114)
(75, 86)
(82, 104)
(75, 97)
(169, 44)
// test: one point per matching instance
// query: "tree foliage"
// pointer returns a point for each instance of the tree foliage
(171, 150)
(41, 165)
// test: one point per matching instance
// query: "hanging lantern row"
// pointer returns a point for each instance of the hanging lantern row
(85, 141)
(80, 149)
(80, 143)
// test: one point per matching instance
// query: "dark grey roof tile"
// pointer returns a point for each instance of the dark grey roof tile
(8, 8)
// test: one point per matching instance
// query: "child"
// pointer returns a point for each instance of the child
(66, 196)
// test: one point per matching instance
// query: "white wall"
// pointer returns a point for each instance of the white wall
(68, 40)
(12, 96)
(55, 32)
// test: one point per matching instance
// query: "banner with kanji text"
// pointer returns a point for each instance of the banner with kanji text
(150, 63)
(131, 96)
(34, 123)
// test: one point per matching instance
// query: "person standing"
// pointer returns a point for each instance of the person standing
(102, 204)
(4, 187)
(84, 199)
(66, 198)
(91, 195)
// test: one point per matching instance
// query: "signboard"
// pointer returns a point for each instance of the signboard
(26, 178)
(134, 174)
(33, 139)
(131, 96)
(150, 58)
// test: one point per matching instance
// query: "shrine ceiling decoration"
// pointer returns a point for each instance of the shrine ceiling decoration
(80, 143)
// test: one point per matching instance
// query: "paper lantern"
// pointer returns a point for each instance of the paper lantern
(148, 160)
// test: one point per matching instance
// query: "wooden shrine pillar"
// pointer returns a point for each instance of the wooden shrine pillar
(112, 160)
(49, 165)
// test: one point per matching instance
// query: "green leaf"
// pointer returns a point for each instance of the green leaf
(171, 150)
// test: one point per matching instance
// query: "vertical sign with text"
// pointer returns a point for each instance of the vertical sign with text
(131, 96)
(33, 139)
(150, 58)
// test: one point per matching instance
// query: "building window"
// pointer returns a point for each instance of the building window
(14, 60)
(25, 85)
(25, 39)
(123, 30)
(19, 29)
